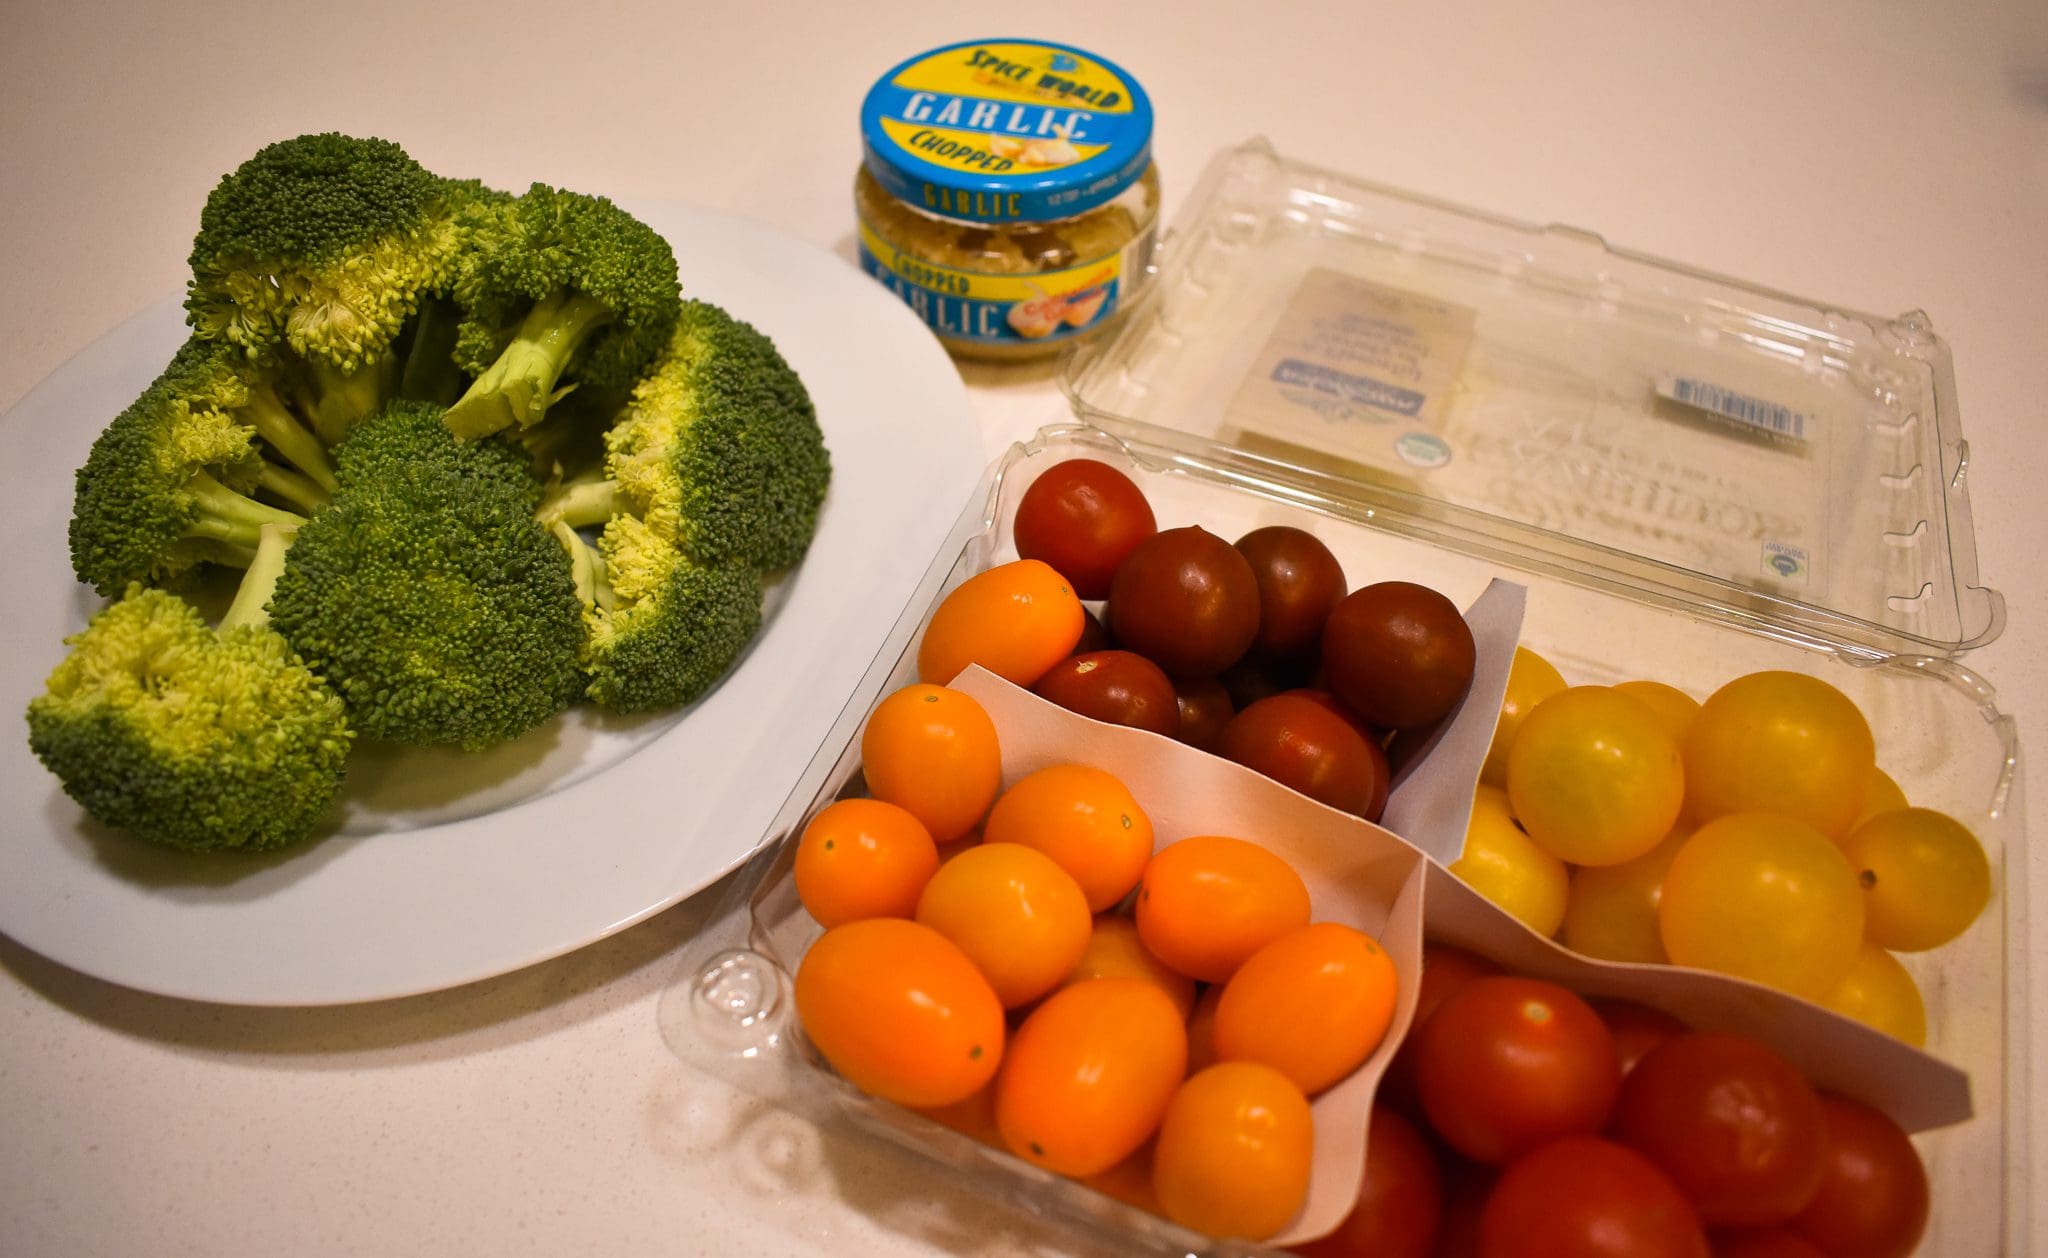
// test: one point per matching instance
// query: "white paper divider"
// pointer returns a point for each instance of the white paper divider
(1357, 874)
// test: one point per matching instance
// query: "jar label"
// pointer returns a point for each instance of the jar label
(995, 308)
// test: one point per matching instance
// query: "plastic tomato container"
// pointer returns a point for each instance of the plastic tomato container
(1451, 398)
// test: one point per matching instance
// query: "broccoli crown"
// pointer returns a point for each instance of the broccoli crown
(720, 449)
(427, 594)
(550, 246)
(167, 483)
(158, 725)
(325, 243)
(663, 630)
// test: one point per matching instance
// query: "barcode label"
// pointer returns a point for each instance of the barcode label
(1741, 408)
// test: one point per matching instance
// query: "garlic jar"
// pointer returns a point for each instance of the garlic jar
(1007, 193)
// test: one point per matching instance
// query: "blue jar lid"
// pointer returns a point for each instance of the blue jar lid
(1006, 130)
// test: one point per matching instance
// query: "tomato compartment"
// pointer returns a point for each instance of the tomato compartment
(1550, 369)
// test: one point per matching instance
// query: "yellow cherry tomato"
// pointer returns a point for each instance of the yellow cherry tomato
(1594, 778)
(1531, 680)
(1779, 742)
(1673, 706)
(1925, 877)
(1505, 865)
(1882, 794)
(1878, 991)
(1611, 912)
(1764, 897)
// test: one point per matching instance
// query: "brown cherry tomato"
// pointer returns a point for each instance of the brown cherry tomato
(1399, 653)
(1082, 517)
(1119, 687)
(1257, 677)
(1205, 708)
(1299, 582)
(1186, 600)
(1302, 744)
(1094, 634)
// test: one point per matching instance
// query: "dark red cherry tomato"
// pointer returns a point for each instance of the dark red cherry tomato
(1301, 744)
(1299, 582)
(1082, 517)
(1205, 708)
(1186, 600)
(1584, 1195)
(1400, 1203)
(1399, 653)
(1873, 1194)
(1094, 634)
(1383, 770)
(1119, 687)
(1506, 1064)
(1736, 1126)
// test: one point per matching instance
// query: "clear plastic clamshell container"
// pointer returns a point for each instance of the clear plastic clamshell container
(1560, 343)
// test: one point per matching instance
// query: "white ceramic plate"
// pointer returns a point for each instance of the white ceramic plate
(446, 867)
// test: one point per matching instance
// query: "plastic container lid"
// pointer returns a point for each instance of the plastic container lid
(1006, 130)
(1531, 395)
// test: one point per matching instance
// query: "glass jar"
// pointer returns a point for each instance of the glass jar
(1007, 194)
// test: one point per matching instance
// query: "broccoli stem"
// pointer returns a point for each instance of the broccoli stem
(252, 596)
(581, 502)
(293, 441)
(342, 399)
(519, 386)
(296, 490)
(586, 568)
(430, 373)
(222, 515)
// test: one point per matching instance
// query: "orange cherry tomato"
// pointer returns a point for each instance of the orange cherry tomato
(1018, 916)
(1115, 951)
(1208, 902)
(1089, 1073)
(1086, 820)
(1312, 1004)
(900, 1012)
(1016, 620)
(1234, 1151)
(863, 858)
(933, 751)
(974, 1117)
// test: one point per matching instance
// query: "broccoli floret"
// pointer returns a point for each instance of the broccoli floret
(564, 287)
(191, 736)
(718, 450)
(427, 594)
(169, 482)
(325, 245)
(662, 630)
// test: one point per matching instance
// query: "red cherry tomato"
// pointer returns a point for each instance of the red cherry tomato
(1304, 745)
(1506, 1064)
(1444, 970)
(1772, 1242)
(1082, 517)
(1205, 708)
(1637, 1028)
(1400, 1203)
(1736, 1126)
(1400, 654)
(1873, 1194)
(1187, 601)
(1299, 582)
(1120, 687)
(1586, 1196)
